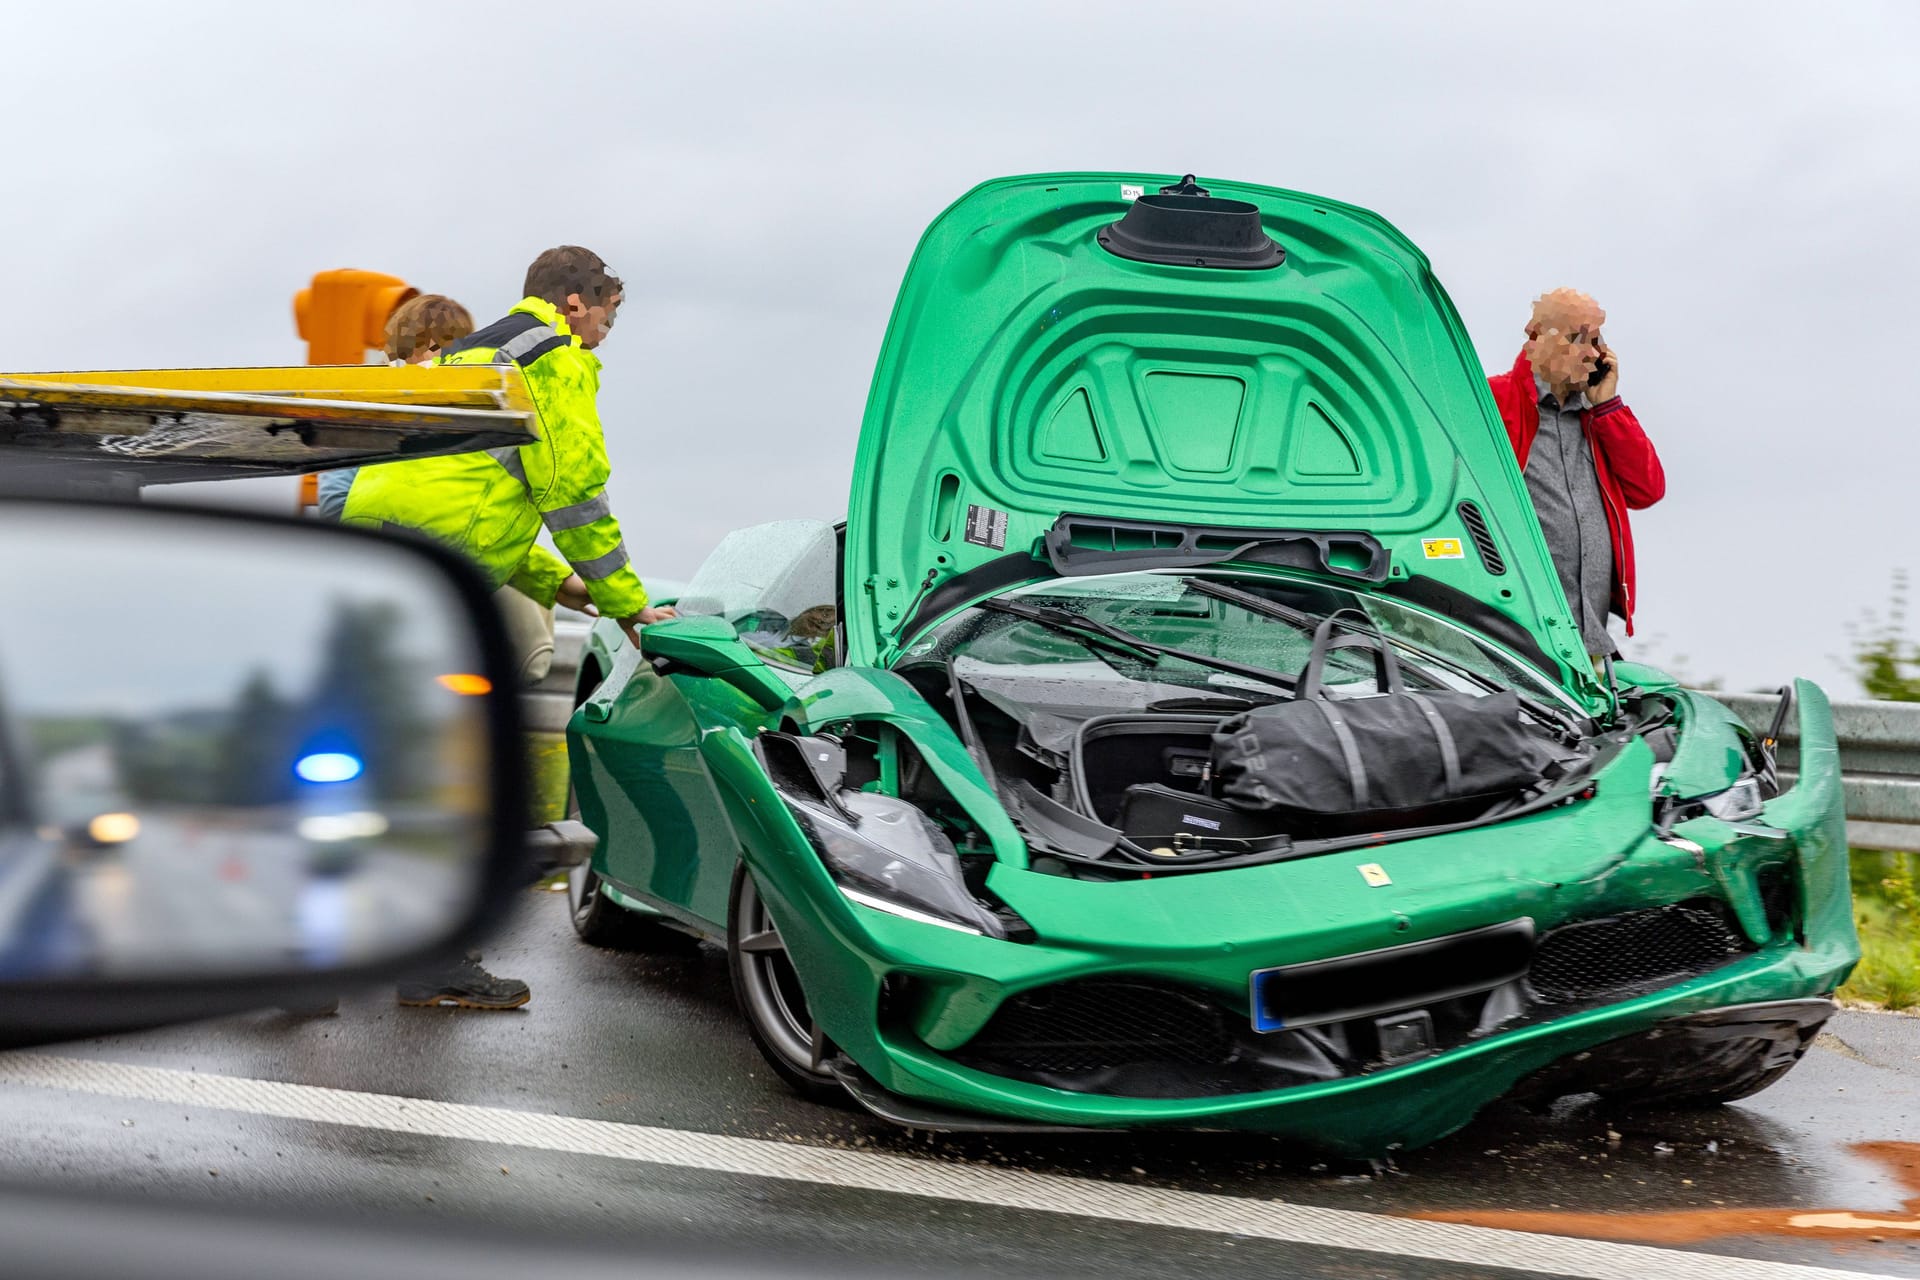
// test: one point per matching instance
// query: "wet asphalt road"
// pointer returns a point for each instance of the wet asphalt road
(655, 1041)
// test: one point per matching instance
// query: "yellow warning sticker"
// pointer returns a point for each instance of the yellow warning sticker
(1375, 874)
(1442, 548)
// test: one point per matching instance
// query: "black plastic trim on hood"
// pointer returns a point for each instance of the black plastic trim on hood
(1191, 546)
(1482, 538)
(1183, 226)
(1481, 616)
(1169, 546)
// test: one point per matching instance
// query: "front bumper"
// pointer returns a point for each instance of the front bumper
(1674, 1057)
(904, 1000)
(1677, 1058)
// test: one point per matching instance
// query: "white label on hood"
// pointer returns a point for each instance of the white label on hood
(1130, 192)
(987, 527)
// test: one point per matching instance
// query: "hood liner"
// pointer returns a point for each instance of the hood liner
(1029, 373)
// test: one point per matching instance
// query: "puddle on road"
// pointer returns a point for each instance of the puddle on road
(1690, 1226)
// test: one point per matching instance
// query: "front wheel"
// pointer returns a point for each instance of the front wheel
(767, 988)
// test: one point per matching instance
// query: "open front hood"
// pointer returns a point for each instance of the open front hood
(1043, 363)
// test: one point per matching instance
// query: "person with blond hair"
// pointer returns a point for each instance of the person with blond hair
(417, 332)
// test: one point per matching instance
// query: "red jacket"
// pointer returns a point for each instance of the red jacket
(1630, 474)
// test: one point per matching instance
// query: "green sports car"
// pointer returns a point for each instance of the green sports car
(945, 779)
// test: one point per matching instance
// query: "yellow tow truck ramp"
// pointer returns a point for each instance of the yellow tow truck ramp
(154, 426)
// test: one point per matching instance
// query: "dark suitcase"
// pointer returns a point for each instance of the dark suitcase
(1154, 814)
(1400, 758)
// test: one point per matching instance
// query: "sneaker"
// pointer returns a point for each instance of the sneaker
(465, 986)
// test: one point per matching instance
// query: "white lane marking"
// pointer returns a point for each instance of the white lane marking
(870, 1171)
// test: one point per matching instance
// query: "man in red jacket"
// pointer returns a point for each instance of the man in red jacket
(1585, 458)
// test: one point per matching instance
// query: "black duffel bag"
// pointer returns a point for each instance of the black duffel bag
(1400, 758)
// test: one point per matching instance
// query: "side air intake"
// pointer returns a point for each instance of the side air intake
(1482, 538)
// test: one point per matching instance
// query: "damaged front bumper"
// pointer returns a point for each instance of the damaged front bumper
(910, 1005)
(1673, 1058)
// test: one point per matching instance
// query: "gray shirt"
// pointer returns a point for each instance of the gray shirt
(1573, 514)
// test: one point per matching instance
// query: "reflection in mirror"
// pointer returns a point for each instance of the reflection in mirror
(228, 747)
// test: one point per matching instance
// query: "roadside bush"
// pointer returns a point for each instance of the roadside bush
(1886, 906)
(1884, 659)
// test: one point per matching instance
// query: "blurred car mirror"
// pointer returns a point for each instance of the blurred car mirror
(242, 758)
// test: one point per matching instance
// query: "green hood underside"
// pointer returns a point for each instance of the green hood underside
(1029, 373)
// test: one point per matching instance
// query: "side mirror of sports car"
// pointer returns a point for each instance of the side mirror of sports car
(712, 647)
(264, 761)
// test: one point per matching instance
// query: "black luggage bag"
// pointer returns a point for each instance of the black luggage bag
(1401, 758)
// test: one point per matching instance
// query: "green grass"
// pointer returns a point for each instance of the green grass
(547, 776)
(1886, 906)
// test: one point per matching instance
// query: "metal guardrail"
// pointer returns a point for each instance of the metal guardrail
(1879, 743)
(1879, 760)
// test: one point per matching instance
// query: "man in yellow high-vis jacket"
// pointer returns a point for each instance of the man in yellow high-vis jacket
(492, 505)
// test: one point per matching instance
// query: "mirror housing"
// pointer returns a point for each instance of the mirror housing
(710, 646)
(212, 738)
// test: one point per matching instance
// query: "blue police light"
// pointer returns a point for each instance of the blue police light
(328, 766)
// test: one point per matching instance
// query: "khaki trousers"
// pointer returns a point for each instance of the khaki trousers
(529, 634)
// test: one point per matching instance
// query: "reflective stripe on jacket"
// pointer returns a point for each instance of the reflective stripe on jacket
(492, 505)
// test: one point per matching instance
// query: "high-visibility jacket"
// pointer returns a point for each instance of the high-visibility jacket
(492, 504)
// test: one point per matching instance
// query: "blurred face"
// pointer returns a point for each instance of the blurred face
(425, 350)
(591, 322)
(1562, 337)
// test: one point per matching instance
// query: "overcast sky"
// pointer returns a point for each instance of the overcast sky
(1736, 183)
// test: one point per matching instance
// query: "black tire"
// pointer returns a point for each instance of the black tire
(767, 989)
(602, 922)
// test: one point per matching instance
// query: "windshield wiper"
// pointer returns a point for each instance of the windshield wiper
(1081, 627)
(1307, 622)
(1086, 628)
(1255, 604)
(1294, 617)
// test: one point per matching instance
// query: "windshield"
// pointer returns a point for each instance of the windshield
(775, 585)
(1064, 643)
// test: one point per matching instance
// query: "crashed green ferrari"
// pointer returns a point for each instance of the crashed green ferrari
(946, 780)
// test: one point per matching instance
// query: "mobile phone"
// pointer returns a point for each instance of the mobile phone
(1600, 371)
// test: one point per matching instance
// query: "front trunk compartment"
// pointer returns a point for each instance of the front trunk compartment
(1102, 793)
(1113, 757)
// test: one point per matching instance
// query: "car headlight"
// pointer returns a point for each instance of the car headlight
(1743, 800)
(894, 859)
(1737, 803)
